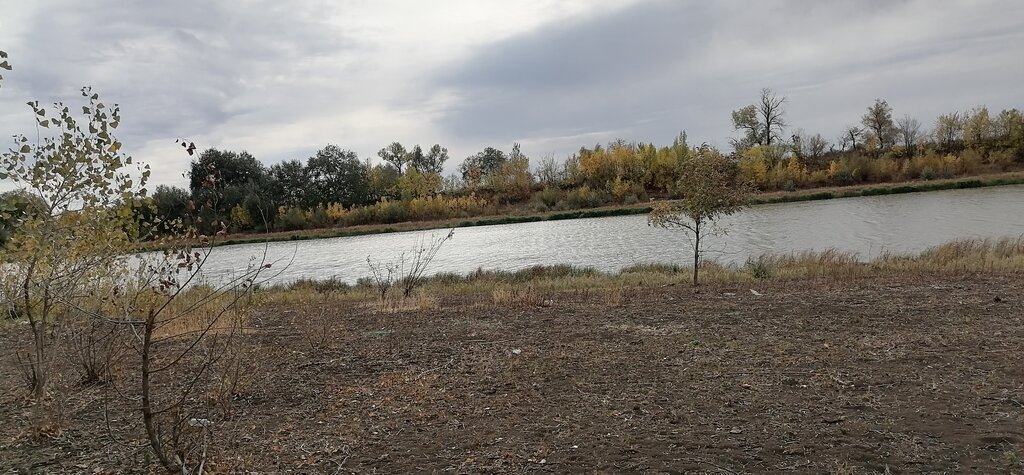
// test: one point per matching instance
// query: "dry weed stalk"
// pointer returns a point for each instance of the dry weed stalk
(407, 271)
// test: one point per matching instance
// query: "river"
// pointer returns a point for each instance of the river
(868, 226)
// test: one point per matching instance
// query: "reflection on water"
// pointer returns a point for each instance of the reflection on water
(868, 226)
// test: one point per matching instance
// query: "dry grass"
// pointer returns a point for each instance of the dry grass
(517, 297)
(535, 285)
(418, 301)
(200, 309)
(968, 255)
(612, 297)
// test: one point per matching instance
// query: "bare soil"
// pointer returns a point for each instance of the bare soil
(901, 374)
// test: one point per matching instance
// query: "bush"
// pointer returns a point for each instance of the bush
(1002, 159)
(361, 215)
(622, 188)
(759, 268)
(292, 219)
(882, 170)
(317, 217)
(583, 197)
(549, 196)
(389, 212)
(970, 161)
(843, 178)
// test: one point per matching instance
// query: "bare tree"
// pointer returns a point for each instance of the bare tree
(850, 139)
(815, 147)
(419, 259)
(188, 339)
(761, 123)
(550, 172)
(771, 111)
(808, 147)
(909, 131)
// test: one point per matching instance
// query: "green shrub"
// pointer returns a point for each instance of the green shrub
(584, 197)
(549, 196)
(844, 178)
(759, 268)
(389, 212)
(292, 220)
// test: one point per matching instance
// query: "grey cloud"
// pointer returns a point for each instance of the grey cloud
(275, 76)
(606, 49)
(649, 70)
(177, 68)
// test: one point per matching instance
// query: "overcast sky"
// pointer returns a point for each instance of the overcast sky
(284, 78)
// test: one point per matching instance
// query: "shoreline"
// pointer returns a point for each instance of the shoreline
(812, 194)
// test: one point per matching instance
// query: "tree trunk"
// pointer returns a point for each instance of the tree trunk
(148, 415)
(696, 250)
(38, 367)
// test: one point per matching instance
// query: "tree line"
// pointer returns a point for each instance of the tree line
(335, 187)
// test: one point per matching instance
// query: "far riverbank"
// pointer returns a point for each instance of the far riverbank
(813, 194)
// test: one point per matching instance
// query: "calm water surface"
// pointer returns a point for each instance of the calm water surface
(905, 223)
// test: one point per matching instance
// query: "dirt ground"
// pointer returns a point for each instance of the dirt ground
(903, 374)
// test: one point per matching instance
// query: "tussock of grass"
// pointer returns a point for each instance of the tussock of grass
(654, 269)
(321, 286)
(807, 264)
(515, 297)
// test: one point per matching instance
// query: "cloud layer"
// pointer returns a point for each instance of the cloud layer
(282, 79)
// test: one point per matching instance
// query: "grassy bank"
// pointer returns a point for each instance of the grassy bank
(534, 285)
(1009, 178)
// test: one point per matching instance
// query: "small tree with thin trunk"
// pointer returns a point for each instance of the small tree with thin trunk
(80, 228)
(706, 192)
(66, 267)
